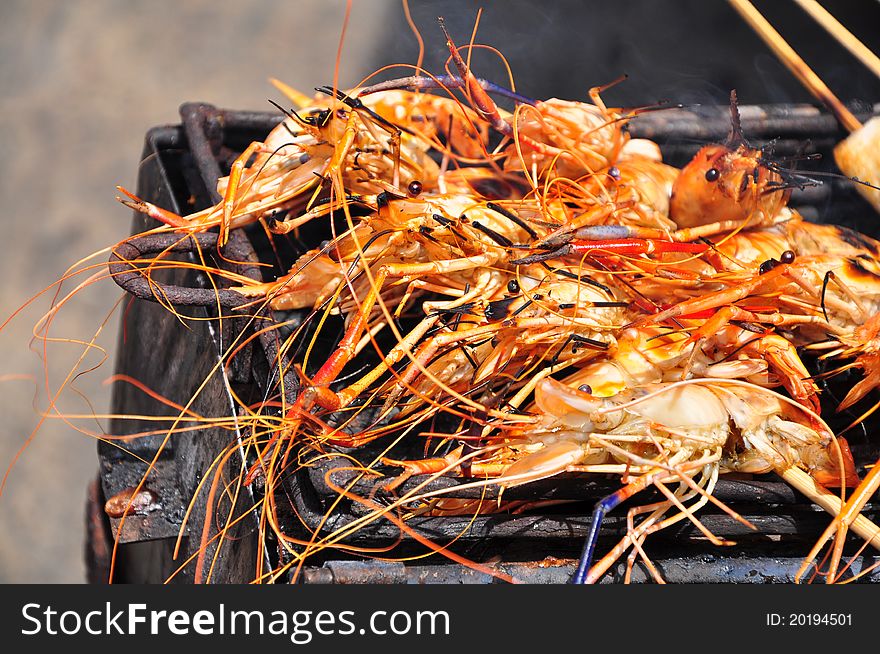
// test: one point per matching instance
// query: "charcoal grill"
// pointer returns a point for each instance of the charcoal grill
(178, 171)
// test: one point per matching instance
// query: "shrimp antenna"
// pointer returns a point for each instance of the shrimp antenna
(358, 105)
(828, 276)
(798, 180)
(290, 114)
(664, 104)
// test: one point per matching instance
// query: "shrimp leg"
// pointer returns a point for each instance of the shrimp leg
(346, 349)
(232, 187)
(484, 105)
(481, 100)
(719, 298)
(601, 232)
(601, 509)
(776, 350)
(625, 246)
(157, 213)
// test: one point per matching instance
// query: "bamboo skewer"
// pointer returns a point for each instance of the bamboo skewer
(846, 38)
(847, 514)
(795, 64)
(858, 155)
(861, 525)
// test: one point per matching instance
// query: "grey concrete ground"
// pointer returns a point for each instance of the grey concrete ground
(80, 83)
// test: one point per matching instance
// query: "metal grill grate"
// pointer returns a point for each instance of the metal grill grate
(179, 171)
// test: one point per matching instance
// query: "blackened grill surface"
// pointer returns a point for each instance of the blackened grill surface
(539, 548)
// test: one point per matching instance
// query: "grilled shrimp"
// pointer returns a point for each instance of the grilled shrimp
(338, 140)
(730, 182)
(686, 433)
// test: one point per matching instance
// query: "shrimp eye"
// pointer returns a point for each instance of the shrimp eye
(712, 174)
(787, 256)
(414, 188)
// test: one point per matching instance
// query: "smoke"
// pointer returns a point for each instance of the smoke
(689, 51)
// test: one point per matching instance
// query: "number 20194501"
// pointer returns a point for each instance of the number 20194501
(809, 619)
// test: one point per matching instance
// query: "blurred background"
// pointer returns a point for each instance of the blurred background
(82, 82)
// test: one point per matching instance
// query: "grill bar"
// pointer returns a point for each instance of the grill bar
(696, 570)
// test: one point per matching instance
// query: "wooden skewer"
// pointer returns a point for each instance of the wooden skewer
(846, 38)
(795, 64)
(857, 156)
(861, 525)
